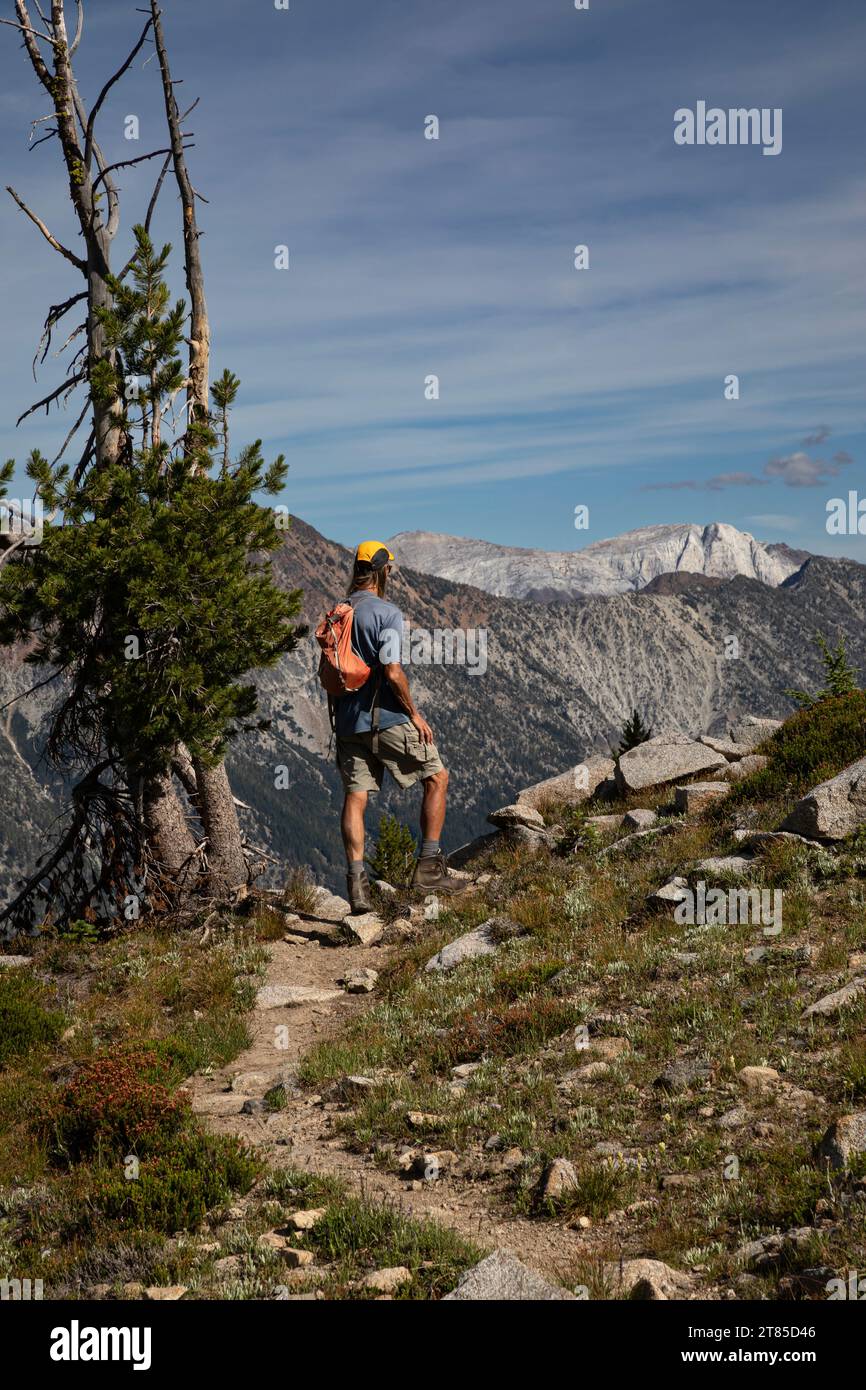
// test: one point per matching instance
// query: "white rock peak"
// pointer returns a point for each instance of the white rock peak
(619, 565)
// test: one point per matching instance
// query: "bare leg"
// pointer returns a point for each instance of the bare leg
(352, 825)
(433, 805)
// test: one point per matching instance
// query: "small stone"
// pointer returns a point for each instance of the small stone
(844, 1141)
(670, 893)
(502, 1278)
(593, 1071)
(608, 822)
(387, 1280)
(170, 1293)
(133, 1289)
(351, 1088)
(725, 865)
(328, 907)
(840, 999)
(14, 962)
(365, 929)
(297, 1259)
(639, 819)
(610, 1048)
(734, 1119)
(273, 1240)
(469, 946)
(758, 1078)
(224, 1103)
(651, 1279)
(361, 981)
(421, 1119)
(306, 1220)
(697, 796)
(465, 1070)
(229, 1266)
(517, 815)
(751, 731)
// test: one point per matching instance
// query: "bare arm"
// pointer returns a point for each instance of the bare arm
(396, 678)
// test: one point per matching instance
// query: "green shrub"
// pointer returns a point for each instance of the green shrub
(393, 858)
(839, 673)
(814, 744)
(115, 1105)
(176, 1189)
(25, 1022)
(634, 733)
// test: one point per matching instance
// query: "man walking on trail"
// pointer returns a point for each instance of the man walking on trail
(378, 727)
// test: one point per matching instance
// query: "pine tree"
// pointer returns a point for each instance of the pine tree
(839, 675)
(634, 732)
(393, 856)
(150, 600)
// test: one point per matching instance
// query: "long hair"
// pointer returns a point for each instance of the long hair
(361, 580)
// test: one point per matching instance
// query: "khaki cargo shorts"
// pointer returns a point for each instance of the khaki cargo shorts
(401, 750)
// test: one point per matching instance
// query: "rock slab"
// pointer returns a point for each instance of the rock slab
(502, 1278)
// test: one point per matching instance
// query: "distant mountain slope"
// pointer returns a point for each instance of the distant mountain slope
(621, 565)
(559, 682)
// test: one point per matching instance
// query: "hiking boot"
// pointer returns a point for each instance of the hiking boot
(431, 875)
(358, 889)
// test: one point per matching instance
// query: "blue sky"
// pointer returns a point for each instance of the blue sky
(454, 257)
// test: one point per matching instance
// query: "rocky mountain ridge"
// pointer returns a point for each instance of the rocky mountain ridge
(560, 681)
(623, 564)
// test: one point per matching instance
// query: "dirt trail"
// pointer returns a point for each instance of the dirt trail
(301, 1135)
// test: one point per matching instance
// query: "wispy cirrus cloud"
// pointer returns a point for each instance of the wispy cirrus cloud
(794, 470)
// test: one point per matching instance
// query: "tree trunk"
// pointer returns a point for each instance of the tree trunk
(227, 864)
(198, 390)
(169, 837)
(215, 804)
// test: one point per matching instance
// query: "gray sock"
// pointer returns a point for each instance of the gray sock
(356, 867)
(429, 848)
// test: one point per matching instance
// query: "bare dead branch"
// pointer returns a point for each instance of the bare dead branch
(72, 433)
(25, 29)
(79, 27)
(40, 67)
(54, 315)
(64, 389)
(52, 240)
(125, 164)
(88, 141)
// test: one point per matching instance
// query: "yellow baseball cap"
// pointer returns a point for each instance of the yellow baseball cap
(374, 554)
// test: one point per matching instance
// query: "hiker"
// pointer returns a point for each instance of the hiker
(376, 723)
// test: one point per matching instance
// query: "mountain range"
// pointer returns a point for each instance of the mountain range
(618, 566)
(560, 680)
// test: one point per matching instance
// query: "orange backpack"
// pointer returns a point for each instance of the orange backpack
(340, 668)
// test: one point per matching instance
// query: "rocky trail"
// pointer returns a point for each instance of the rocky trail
(324, 973)
(229, 1101)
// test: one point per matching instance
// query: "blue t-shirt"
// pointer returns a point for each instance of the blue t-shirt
(377, 635)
